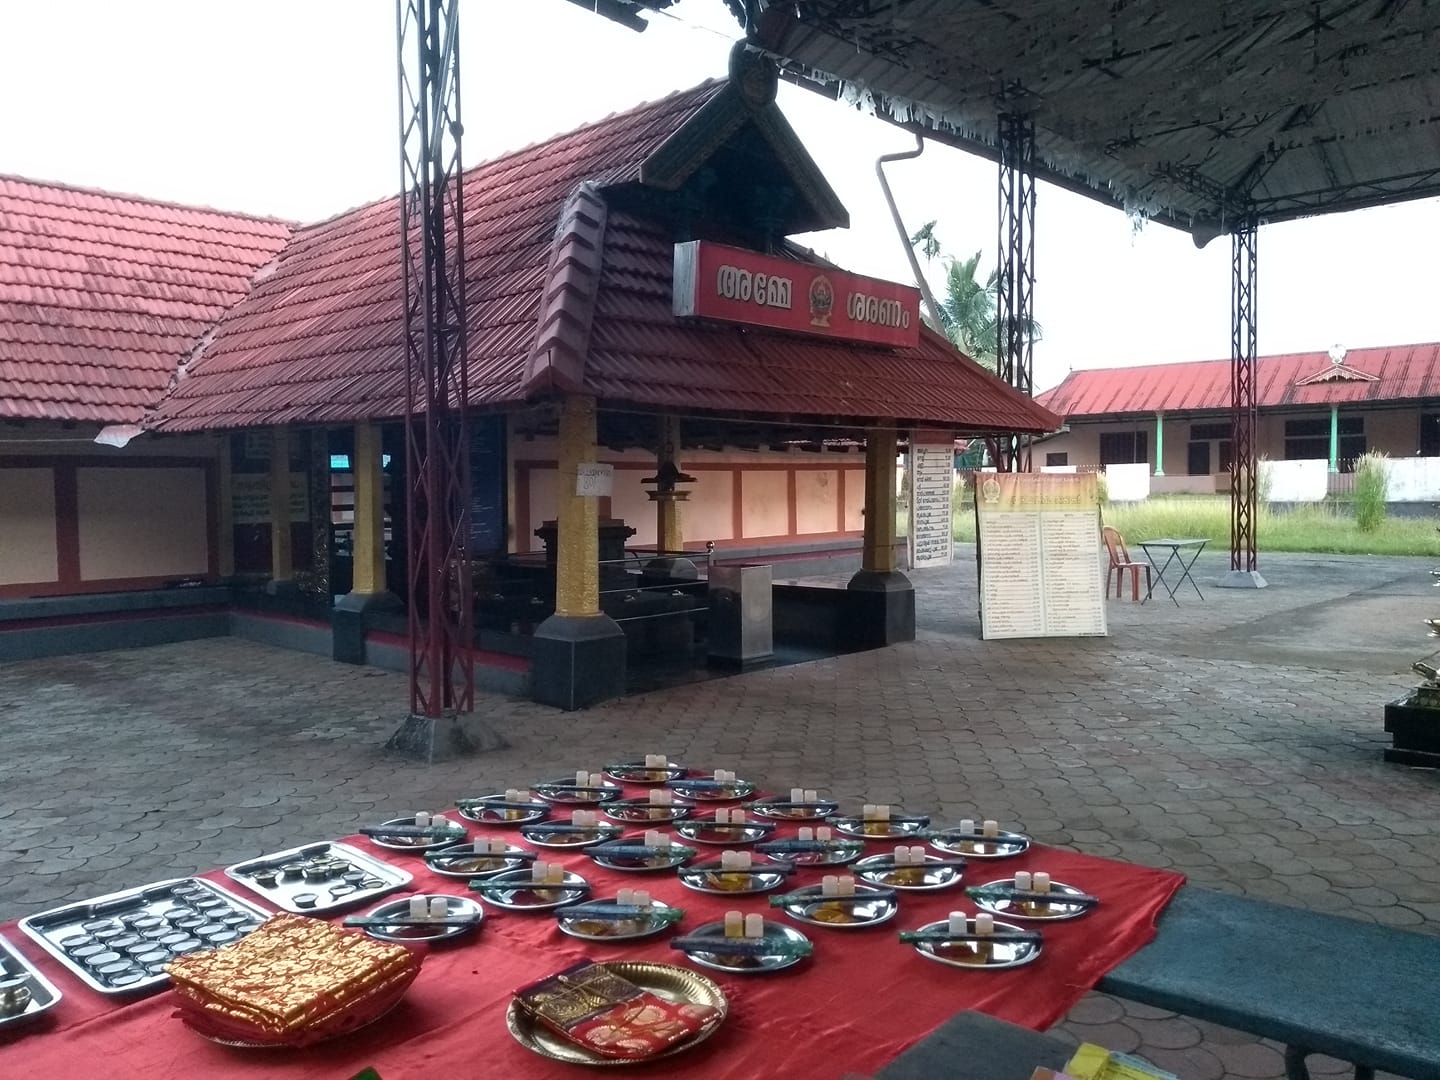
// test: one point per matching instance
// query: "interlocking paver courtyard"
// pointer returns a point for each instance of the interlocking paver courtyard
(1237, 741)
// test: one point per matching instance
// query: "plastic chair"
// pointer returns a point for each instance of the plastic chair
(1120, 561)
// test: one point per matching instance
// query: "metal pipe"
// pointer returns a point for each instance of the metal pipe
(880, 162)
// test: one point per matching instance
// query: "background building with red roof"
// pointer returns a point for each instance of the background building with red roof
(1333, 405)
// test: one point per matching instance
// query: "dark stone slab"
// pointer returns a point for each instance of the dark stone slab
(879, 610)
(973, 1046)
(52, 607)
(577, 661)
(1356, 991)
(1413, 727)
(110, 632)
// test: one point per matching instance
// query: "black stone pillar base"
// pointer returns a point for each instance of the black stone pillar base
(1414, 732)
(879, 610)
(444, 738)
(577, 661)
(347, 623)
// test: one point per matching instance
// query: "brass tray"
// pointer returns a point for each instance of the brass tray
(663, 980)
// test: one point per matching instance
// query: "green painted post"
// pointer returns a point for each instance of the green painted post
(1334, 438)
(1159, 444)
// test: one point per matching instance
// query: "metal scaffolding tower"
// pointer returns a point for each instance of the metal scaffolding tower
(442, 675)
(1014, 315)
(1244, 347)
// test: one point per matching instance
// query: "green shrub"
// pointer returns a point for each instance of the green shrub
(1371, 488)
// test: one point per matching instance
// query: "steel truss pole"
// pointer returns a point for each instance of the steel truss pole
(1014, 315)
(437, 473)
(1244, 347)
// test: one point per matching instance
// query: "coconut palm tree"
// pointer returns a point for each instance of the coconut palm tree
(967, 311)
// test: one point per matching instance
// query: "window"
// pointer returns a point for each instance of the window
(1310, 440)
(1209, 432)
(1123, 447)
(1430, 435)
(1198, 459)
(1062, 458)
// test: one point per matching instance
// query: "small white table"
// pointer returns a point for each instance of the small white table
(1180, 552)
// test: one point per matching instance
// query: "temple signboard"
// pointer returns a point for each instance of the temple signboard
(932, 483)
(1040, 559)
(729, 284)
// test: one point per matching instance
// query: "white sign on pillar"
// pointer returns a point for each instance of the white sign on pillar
(594, 480)
(932, 487)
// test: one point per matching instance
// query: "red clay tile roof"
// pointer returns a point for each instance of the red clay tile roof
(103, 296)
(1402, 372)
(321, 340)
(565, 295)
(640, 353)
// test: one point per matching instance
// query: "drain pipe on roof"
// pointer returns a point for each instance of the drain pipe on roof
(930, 305)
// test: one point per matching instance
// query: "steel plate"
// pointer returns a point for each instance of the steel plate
(637, 772)
(1050, 913)
(600, 834)
(741, 789)
(745, 965)
(894, 830)
(641, 812)
(523, 884)
(483, 816)
(707, 832)
(452, 862)
(43, 995)
(881, 909)
(971, 955)
(820, 813)
(668, 981)
(1003, 846)
(934, 877)
(701, 879)
(405, 935)
(577, 926)
(411, 843)
(612, 792)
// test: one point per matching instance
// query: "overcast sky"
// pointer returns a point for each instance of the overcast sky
(288, 107)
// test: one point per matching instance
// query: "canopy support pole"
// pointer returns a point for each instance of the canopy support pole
(1014, 315)
(1244, 347)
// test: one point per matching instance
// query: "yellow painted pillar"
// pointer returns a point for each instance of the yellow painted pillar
(367, 466)
(879, 550)
(282, 560)
(224, 512)
(669, 532)
(577, 563)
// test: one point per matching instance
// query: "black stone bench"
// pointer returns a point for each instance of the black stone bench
(1320, 984)
(973, 1046)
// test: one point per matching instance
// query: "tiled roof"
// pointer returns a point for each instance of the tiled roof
(1400, 373)
(640, 353)
(103, 296)
(565, 294)
(321, 340)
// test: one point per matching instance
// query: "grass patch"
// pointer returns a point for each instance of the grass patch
(1323, 528)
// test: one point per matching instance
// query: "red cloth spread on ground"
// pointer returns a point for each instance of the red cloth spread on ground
(857, 1003)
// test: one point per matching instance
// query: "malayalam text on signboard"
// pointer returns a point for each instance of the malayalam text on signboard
(932, 481)
(713, 281)
(1040, 573)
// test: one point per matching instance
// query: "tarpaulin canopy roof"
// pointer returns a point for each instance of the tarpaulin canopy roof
(1391, 373)
(569, 282)
(1190, 111)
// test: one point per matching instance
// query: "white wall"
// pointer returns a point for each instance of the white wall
(1295, 481)
(1413, 479)
(1127, 483)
